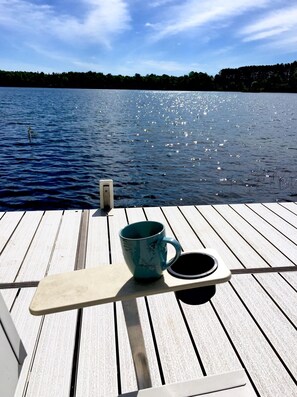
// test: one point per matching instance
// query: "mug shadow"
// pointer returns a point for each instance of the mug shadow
(196, 296)
(134, 288)
(193, 296)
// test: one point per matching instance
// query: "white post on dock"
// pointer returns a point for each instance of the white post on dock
(106, 194)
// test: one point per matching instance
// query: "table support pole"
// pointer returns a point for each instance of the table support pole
(137, 344)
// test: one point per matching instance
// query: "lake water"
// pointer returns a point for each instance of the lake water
(160, 148)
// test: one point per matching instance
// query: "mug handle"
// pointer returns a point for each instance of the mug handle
(177, 247)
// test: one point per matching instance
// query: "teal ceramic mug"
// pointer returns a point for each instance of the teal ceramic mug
(144, 246)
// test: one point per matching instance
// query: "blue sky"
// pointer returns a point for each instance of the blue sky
(145, 36)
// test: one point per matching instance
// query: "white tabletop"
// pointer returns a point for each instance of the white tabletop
(110, 283)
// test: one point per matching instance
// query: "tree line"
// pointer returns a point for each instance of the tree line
(273, 78)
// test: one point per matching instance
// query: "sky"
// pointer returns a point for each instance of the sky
(125, 37)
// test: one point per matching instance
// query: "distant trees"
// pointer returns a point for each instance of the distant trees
(273, 78)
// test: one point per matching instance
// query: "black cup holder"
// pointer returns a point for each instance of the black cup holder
(193, 265)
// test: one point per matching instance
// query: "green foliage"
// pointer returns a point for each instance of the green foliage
(274, 78)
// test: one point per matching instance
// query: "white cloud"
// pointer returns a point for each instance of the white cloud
(99, 23)
(264, 34)
(193, 14)
(276, 31)
(275, 23)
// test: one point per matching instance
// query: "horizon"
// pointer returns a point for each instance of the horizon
(127, 37)
(93, 71)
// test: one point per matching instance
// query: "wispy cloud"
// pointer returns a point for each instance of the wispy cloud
(64, 59)
(101, 20)
(193, 14)
(134, 36)
(274, 24)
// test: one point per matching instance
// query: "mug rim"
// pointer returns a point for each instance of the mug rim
(138, 223)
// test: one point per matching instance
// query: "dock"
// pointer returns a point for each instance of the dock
(249, 323)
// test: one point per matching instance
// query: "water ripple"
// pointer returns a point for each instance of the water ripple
(160, 148)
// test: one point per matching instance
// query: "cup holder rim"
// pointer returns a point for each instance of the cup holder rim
(197, 275)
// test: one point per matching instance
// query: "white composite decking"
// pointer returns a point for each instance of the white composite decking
(250, 323)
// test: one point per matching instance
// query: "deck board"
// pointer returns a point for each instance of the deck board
(246, 253)
(256, 238)
(28, 327)
(8, 223)
(178, 357)
(292, 207)
(209, 237)
(117, 220)
(173, 341)
(279, 217)
(58, 330)
(214, 348)
(291, 279)
(281, 292)
(97, 342)
(251, 321)
(15, 250)
(138, 215)
(259, 359)
(274, 320)
(271, 234)
(41, 248)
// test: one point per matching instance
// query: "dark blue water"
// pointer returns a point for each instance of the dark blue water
(160, 148)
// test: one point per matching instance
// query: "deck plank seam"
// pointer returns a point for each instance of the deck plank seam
(191, 338)
(143, 210)
(276, 228)
(168, 222)
(279, 270)
(220, 237)
(266, 238)
(189, 224)
(274, 349)
(237, 232)
(15, 299)
(29, 245)
(32, 360)
(76, 351)
(275, 302)
(162, 377)
(54, 244)
(288, 282)
(12, 233)
(293, 202)
(79, 263)
(246, 241)
(81, 251)
(235, 349)
(116, 332)
(117, 350)
(280, 216)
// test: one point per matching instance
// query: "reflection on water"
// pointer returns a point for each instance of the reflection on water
(160, 148)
